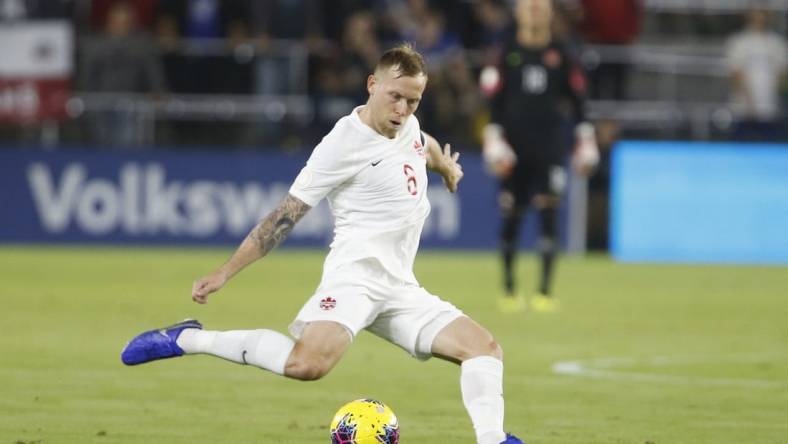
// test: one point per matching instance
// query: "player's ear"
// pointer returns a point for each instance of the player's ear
(372, 84)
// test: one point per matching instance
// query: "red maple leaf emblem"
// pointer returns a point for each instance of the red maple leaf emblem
(418, 147)
(328, 303)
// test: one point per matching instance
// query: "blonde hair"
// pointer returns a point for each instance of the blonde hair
(403, 59)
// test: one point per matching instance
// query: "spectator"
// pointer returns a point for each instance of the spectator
(438, 44)
(120, 61)
(287, 19)
(189, 32)
(342, 73)
(13, 10)
(757, 61)
(460, 18)
(454, 99)
(144, 11)
(400, 18)
(333, 20)
(201, 20)
(360, 52)
(283, 70)
(494, 20)
(615, 23)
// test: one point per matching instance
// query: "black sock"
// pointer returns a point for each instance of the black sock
(547, 247)
(509, 235)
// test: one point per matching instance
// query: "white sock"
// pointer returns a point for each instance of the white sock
(266, 349)
(481, 381)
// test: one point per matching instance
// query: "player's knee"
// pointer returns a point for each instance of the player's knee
(307, 368)
(506, 203)
(545, 201)
(495, 350)
(487, 348)
(547, 244)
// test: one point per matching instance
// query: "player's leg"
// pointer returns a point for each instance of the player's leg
(320, 347)
(324, 328)
(326, 325)
(547, 208)
(547, 201)
(264, 348)
(464, 339)
(511, 218)
(426, 326)
(467, 343)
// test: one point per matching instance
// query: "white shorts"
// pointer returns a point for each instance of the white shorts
(405, 315)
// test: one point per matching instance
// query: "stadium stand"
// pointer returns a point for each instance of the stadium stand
(216, 70)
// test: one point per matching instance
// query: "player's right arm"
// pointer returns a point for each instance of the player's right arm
(264, 237)
(499, 157)
(332, 163)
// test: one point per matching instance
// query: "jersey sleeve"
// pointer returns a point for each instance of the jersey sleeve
(492, 79)
(575, 86)
(735, 53)
(330, 165)
(492, 84)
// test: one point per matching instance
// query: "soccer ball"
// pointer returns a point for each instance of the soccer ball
(365, 421)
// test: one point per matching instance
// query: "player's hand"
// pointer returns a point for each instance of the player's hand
(584, 163)
(585, 157)
(499, 157)
(500, 169)
(452, 170)
(204, 286)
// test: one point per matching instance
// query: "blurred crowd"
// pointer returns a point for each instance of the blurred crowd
(325, 50)
(246, 47)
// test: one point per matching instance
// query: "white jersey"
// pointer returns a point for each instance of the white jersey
(761, 57)
(376, 189)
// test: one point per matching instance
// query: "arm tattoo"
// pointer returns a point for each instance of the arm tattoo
(275, 227)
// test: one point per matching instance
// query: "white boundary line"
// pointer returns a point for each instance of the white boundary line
(608, 368)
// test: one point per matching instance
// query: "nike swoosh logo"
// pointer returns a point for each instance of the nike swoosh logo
(376, 163)
(243, 357)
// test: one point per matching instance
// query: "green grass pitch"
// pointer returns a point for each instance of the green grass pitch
(656, 354)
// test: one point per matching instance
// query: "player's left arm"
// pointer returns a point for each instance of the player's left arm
(585, 156)
(443, 162)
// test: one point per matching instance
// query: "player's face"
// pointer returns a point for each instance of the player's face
(759, 19)
(392, 99)
(534, 13)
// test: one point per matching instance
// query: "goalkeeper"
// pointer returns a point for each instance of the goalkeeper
(534, 90)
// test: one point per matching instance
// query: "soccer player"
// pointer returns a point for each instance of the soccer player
(530, 88)
(372, 168)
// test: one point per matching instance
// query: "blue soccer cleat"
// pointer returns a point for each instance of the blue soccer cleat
(511, 439)
(156, 344)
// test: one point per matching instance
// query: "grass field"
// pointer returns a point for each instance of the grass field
(656, 354)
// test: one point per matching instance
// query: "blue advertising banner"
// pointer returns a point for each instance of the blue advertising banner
(199, 197)
(699, 202)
